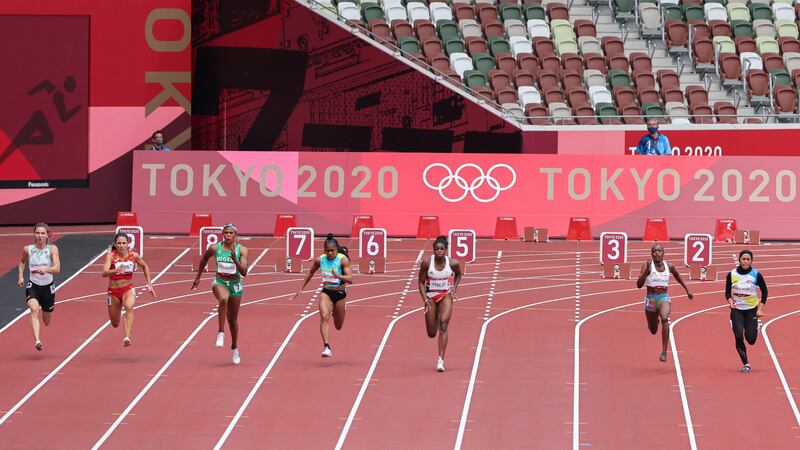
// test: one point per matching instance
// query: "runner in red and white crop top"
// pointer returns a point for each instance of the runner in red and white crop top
(438, 293)
(119, 266)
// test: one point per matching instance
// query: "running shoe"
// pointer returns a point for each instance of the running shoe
(663, 357)
(220, 340)
(127, 341)
(440, 365)
(236, 359)
(746, 368)
(326, 352)
(38, 346)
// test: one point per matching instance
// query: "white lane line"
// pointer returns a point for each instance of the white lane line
(784, 383)
(411, 277)
(492, 285)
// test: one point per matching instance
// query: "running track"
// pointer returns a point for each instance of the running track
(527, 314)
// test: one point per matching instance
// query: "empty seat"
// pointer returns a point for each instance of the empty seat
(462, 12)
(618, 78)
(560, 113)
(498, 79)
(349, 11)
(730, 67)
(640, 61)
(725, 112)
(720, 28)
(612, 46)
(631, 115)
(692, 11)
(791, 61)
(786, 29)
(565, 47)
(561, 29)
(715, 11)
(528, 95)
(593, 77)
(772, 61)
(520, 45)
(395, 12)
(538, 28)
(547, 80)
(647, 95)
(544, 47)
(789, 45)
(474, 78)
(497, 44)
(649, 18)
(515, 27)
(724, 44)
(470, 28)
(431, 47)
(750, 61)
(440, 11)
(668, 79)
(510, 12)
(599, 94)
(760, 11)
(506, 95)
(487, 13)
(677, 35)
(441, 63)
(483, 63)
(644, 78)
(554, 95)
(757, 84)
(617, 62)
(672, 95)
(371, 11)
(764, 28)
(557, 11)
(583, 27)
(783, 12)
(476, 45)
(425, 28)
(523, 78)
(493, 29)
(578, 97)
(534, 12)
(572, 62)
(742, 28)
(677, 110)
(696, 95)
(401, 28)
(607, 114)
(671, 12)
(737, 11)
(381, 30)
(745, 44)
(446, 29)
(461, 63)
(417, 11)
(785, 100)
(514, 110)
(655, 111)
(537, 114)
(780, 77)
(589, 44)
(585, 115)
(551, 63)
(703, 52)
(408, 44)
(624, 95)
(453, 44)
(571, 79)
(595, 62)
(528, 62)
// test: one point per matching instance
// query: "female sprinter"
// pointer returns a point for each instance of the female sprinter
(740, 291)
(228, 287)
(438, 294)
(335, 267)
(655, 275)
(118, 267)
(43, 262)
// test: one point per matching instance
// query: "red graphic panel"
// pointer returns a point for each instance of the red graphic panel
(372, 243)
(462, 245)
(44, 120)
(300, 243)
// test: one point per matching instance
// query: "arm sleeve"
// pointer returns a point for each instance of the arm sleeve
(640, 149)
(728, 286)
(668, 149)
(763, 286)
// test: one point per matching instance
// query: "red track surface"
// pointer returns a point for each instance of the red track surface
(523, 385)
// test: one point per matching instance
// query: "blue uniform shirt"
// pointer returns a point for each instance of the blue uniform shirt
(649, 146)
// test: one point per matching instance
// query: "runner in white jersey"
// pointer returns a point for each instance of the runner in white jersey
(655, 275)
(438, 293)
(43, 262)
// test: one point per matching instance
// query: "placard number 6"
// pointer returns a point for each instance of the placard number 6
(372, 247)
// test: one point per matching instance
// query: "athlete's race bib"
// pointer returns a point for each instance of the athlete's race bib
(125, 266)
(439, 285)
(228, 268)
(328, 278)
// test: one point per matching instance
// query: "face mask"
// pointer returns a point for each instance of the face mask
(652, 130)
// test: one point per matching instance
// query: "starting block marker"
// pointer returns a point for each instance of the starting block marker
(617, 270)
(533, 234)
(299, 248)
(703, 273)
(372, 250)
(697, 250)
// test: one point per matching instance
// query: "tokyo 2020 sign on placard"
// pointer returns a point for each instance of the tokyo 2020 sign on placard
(325, 190)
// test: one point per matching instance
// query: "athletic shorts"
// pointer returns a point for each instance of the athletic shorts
(46, 295)
(118, 292)
(653, 302)
(436, 296)
(235, 287)
(334, 295)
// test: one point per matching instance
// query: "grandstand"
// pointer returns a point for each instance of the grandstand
(589, 62)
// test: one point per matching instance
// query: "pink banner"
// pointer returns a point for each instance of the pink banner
(325, 191)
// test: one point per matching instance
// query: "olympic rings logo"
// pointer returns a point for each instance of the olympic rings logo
(469, 187)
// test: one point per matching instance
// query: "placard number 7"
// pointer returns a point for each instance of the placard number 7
(302, 238)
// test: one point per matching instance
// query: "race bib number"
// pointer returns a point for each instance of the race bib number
(328, 278)
(125, 267)
(228, 268)
(53, 288)
(438, 285)
(237, 287)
